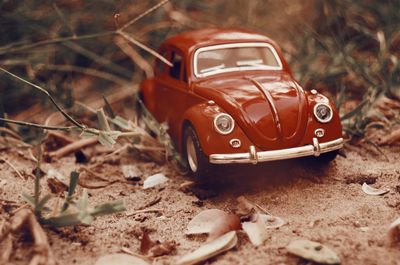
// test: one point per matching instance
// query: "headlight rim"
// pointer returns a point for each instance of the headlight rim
(318, 118)
(216, 127)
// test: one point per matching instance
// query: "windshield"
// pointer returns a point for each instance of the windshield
(235, 57)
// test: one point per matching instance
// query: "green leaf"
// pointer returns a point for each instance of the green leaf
(82, 204)
(108, 208)
(28, 199)
(103, 122)
(63, 220)
(122, 123)
(39, 207)
(108, 138)
(73, 181)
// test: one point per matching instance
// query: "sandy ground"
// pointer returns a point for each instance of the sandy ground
(324, 204)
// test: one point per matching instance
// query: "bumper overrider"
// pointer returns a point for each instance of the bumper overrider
(254, 157)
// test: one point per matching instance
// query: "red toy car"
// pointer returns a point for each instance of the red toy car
(230, 97)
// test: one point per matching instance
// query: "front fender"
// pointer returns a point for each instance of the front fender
(333, 129)
(201, 117)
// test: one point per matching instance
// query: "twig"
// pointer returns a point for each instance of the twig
(135, 57)
(87, 71)
(144, 211)
(11, 133)
(18, 47)
(13, 167)
(144, 47)
(72, 147)
(148, 11)
(40, 126)
(68, 117)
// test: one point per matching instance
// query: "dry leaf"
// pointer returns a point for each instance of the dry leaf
(213, 222)
(131, 172)
(244, 206)
(154, 180)
(313, 251)
(120, 259)
(256, 229)
(393, 137)
(372, 191)
(211, 249)
(145, 243)
(394, 232)
(164, 248)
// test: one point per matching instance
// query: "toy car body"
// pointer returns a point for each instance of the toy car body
(230, 97)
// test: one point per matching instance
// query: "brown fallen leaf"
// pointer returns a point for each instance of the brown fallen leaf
(145, 243)
(213, 222)
(256, 228)
(313, 251)
(393, 137)
(211, 249)
(394, 232)
(56, 186)
(121, 259)
(163, 248)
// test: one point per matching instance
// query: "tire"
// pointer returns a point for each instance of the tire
(327, 157)
(197, 162)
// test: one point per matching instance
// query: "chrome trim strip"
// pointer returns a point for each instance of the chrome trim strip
(236, 45)
(254, 157)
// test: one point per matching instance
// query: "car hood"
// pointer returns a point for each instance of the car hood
(271, 110)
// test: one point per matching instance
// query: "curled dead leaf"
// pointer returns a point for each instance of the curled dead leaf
(154, 180)
(256, 229)
(394, 232)
(373, 191)
(213, 222)
(313, 251)
(211, 249)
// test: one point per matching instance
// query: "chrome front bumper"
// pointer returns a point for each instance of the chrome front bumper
(254, 157)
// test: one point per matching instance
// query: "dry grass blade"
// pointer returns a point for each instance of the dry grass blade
(13, 167)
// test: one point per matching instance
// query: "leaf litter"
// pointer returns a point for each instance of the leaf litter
(313, 251)
(373, 191)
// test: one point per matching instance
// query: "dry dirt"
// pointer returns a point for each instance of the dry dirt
(324, 204)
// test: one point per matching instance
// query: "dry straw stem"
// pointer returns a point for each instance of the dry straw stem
(12, 48)
(135, 57)
(13, 167)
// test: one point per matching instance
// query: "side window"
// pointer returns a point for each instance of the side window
(161, 66)
(177, 64)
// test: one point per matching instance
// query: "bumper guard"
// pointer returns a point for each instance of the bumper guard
(254, 157)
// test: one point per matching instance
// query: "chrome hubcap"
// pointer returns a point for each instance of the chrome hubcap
(191, 154)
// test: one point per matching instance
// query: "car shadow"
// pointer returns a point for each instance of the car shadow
(236, 179)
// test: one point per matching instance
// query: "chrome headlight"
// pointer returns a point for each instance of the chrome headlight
(323, 112)
(224, 123)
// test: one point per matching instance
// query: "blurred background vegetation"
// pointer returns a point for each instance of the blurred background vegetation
(348, 49)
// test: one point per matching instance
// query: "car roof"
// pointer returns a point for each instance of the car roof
(211, 36)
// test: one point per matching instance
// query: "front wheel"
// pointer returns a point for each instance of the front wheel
(196, 160)
(327, 157)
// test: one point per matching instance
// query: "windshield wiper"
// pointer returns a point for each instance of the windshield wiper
(255, 62)
(210, 69)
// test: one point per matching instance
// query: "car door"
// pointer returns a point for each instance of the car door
(173, 92)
